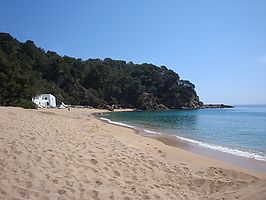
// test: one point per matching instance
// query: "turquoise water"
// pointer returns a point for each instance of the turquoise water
(240, 131)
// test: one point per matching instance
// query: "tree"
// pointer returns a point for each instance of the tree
(26, 70)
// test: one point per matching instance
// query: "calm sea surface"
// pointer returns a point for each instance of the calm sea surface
(240, 131)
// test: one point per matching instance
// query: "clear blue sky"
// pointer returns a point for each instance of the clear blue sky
(219, 45)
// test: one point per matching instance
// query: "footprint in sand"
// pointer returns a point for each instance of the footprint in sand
(55, 181)
(98, 182)
(3, 191)
(94, 194)
(129, 182)
(93, 161)
(69, 183)
(116, 173)
(39, 158)
(21, 191)
(61, 191)
(45, 198)
(112, 197)
(145, 196)
(156, 196)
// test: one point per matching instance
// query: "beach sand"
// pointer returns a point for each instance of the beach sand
(60, 154)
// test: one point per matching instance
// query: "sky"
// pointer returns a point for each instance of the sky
(219, 45)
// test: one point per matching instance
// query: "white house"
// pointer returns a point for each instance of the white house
(44, 100)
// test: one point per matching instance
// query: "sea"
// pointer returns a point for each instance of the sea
(238, 131)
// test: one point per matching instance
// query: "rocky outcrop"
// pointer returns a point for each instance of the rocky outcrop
(108, 107)
(186, 97)
(148, 102)
(216, 106)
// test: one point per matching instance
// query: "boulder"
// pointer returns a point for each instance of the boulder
(108, 107)
(147, 101)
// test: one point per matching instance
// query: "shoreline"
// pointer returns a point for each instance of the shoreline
(56, 153)
(175, 141)
(180, 145)
(240, 161)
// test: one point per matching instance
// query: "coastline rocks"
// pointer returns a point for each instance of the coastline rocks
(161, 107)
(108, 107)
(148, 102)
(216, 106)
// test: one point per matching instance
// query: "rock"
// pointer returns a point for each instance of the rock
(108, 107)
(148, 102)
(161, 107)
(216, 106)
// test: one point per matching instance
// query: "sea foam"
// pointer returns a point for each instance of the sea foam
(117, 123)
(151, 132)
(224, 149)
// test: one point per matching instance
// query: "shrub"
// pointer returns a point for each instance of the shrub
(24, 104)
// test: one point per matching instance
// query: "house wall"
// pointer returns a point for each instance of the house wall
(45, 100)
(52, 100)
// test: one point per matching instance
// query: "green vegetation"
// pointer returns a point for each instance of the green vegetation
(26, 70)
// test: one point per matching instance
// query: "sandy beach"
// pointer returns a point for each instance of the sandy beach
(59, 154)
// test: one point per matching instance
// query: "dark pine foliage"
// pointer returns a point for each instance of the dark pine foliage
(26, 70)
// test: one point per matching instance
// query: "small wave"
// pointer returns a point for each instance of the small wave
(151, 132)
(117, 123)
(236, 152)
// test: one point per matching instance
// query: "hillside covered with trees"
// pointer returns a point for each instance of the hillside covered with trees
(26, 70)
